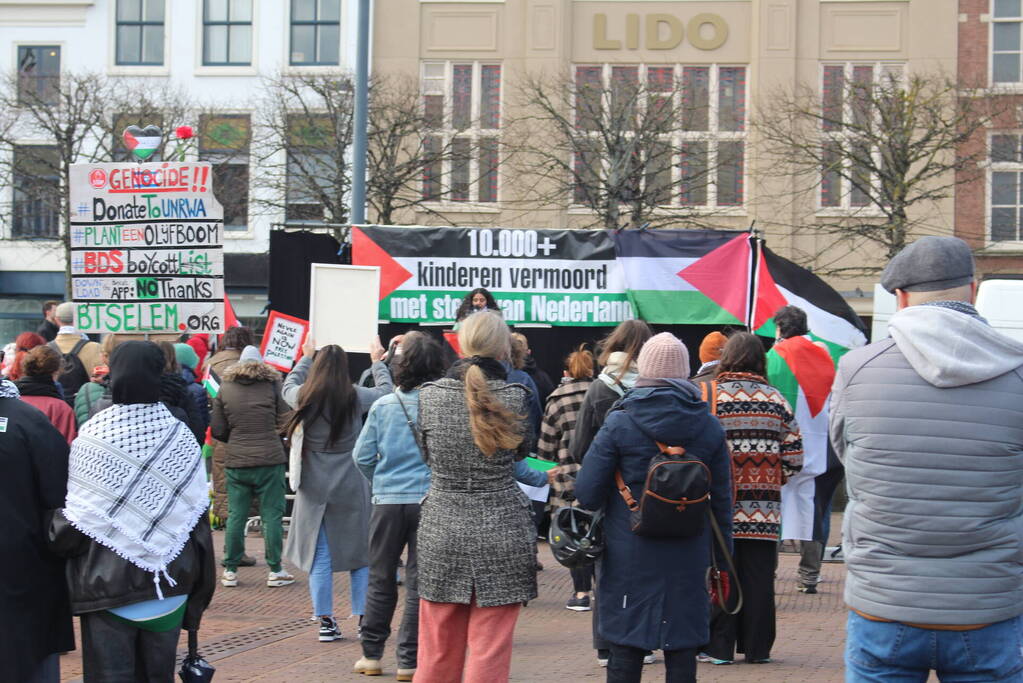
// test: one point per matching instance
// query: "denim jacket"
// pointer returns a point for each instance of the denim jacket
(387, 454)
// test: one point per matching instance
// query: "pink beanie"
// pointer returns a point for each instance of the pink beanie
(663, 356)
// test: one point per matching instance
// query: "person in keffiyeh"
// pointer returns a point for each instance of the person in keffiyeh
(134, 527)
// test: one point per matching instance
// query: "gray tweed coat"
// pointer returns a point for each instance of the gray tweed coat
(475, 530)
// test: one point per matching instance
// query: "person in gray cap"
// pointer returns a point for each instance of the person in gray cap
(80, 356)
(929, 425)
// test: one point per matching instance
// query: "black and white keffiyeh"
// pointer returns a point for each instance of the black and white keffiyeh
(8, 389)
(136, 484)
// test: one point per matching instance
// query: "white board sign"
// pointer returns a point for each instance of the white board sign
(343, 303)
(146, 248)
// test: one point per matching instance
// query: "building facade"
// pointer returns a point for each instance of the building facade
(727, 60)
(989, 202)
(215, 52)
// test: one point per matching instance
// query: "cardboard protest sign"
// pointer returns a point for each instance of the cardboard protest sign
(282, 340)
(343, 306)
(146, 248)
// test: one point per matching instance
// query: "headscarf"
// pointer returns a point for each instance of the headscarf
(135, 369)
(136, 484)
(200, 343)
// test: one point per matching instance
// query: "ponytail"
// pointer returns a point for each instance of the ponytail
(493, 426)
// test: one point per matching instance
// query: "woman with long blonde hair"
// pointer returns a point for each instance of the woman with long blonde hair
(477, 543)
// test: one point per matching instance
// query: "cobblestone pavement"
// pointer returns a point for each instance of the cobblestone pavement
(256, 633)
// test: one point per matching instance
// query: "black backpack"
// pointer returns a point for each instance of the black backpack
(74, 374)
(676, 495)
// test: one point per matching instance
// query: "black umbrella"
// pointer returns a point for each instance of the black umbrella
(195, 669)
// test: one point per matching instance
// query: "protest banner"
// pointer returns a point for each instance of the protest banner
(557, 277)
(342, 306)
(146, 248)
(282, 340)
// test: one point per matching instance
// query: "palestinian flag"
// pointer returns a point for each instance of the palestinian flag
(686, 277)
(703, 277)
(830, 319)
(142, 143)
(211, 382)
(803, 371)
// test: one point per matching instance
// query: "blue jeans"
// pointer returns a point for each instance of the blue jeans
(321, 581)
(890, 652)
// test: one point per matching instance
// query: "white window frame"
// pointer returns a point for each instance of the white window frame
(992, 167)
(249, 232)
(474, 132)
(115, 69)
(845, 207)
(252, 69)
(712, 136)
(1010, 85)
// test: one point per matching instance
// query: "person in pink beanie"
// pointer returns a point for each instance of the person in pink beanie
(652, 592)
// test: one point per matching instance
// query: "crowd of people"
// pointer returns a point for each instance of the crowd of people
(410, 476)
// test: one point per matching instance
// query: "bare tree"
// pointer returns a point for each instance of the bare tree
(52, 122)
(303, 151)
(403, 152)
(633, 151)
(868, 157)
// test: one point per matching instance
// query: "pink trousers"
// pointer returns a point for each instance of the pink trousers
(447, 629)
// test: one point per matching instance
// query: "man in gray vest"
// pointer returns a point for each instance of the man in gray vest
(929, 424)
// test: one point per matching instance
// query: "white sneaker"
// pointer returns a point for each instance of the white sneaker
(229, 579)
(650, 658)
(278, 579)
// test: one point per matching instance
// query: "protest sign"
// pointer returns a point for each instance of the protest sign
(146, 248)
(282, 340)
(555, 277)
(343, 306)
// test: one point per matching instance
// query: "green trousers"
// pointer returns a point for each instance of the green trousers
(267, 483)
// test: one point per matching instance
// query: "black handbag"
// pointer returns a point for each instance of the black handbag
(195, 669)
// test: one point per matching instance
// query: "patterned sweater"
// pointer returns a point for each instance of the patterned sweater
(766, 447)
(555, 435)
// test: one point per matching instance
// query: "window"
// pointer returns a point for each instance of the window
(140, 27)
(227, 33)
(224, 142)
(311, 169)
(315, 32)
(1005, 41)
(462, 106)
(1006, 175)
(38, 73)
(694, 131)
(850, 96)
(36, 192)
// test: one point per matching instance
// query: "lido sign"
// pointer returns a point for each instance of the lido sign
(659, 32)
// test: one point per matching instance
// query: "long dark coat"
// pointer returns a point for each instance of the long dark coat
(653, 591)
(35, 612)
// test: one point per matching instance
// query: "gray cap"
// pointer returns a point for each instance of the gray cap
(928, 265)
(251, 353)
(65, 313)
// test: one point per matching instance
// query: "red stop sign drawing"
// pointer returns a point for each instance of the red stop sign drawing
(98, 178)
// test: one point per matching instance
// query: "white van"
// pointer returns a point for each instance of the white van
(999, 301)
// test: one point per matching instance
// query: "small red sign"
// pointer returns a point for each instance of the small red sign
(98, 178)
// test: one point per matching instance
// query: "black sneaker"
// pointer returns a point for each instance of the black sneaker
(329, 630)
(809, 589)
(579, 604)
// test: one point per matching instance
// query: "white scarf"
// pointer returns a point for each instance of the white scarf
(615, 376)
(9, 389)
(136, 485)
